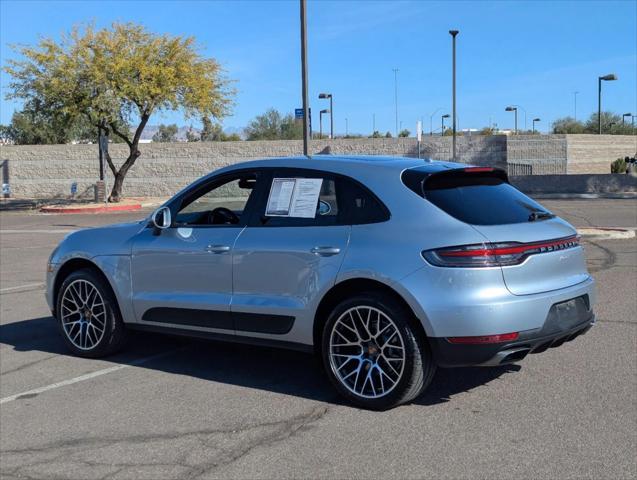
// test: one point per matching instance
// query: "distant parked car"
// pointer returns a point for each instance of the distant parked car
(385, 267)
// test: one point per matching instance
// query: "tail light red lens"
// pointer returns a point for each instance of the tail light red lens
(495, 254)
(500, 338)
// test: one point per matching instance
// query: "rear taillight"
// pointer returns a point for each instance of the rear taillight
(495, 254)
(500, 338)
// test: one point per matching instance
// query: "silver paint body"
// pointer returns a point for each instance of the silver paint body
(273, 270)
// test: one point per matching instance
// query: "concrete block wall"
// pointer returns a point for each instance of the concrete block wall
(594, 153)
(47, 171)
(543, 154)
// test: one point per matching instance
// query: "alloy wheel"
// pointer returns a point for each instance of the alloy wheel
(83, 314)
(366, 352)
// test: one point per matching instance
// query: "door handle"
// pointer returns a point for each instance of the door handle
(217, 248)
(325, 251)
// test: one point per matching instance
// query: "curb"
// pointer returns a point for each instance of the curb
(92, 209)
(606, 233)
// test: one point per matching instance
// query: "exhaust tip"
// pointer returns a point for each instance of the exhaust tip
(515, 356)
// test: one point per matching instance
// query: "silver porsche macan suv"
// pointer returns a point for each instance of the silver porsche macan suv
(385, 267)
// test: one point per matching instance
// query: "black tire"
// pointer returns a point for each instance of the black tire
(114, 332)
(418, 369)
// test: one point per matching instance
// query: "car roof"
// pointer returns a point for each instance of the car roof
(350, 164)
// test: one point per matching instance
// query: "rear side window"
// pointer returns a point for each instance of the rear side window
(483, 198)
(362, 206)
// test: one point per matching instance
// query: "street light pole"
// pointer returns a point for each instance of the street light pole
(575, 106)
(624, 116)
(453, 34)
(331, 110)
(331, 118)
(396, 96)
(321, 121)
(346, 127)
(512, 108)
(535, 120)
(442, 124)
(610, 77)
(431, 121)
(306, 107)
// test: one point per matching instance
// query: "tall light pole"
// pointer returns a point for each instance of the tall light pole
(331, 110)
(442, 122)
(453, 34)
(511, 108)
(396, 96)
(431, 121)
(607, 78)
(624, 116)
(306, 106)
(321, 121)
(346, 127)
(373, 123)
(575, 105)
(535, 120)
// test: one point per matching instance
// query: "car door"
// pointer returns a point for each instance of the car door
(284, 262)
(182, 277)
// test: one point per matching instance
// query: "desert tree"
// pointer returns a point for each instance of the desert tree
(117, 78)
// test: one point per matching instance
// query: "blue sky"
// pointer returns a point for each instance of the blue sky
(533, 54)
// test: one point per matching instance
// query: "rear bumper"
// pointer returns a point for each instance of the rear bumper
(555, 331)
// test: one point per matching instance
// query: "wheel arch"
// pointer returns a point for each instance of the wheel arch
(73, 265)
(353, 286)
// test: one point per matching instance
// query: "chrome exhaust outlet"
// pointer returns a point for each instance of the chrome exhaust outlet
(507, 356)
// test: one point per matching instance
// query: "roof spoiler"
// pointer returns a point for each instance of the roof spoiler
(466, 176)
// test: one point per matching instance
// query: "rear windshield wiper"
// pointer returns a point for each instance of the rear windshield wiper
(540, 215)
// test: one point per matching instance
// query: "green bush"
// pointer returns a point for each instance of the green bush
(618, 166)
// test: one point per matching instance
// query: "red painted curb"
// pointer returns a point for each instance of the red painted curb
(100, 209)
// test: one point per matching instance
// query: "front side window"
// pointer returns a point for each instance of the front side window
(315, 198)
(221, 203)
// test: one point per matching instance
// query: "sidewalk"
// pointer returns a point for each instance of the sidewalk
(69, 206)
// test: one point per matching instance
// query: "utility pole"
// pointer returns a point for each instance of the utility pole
(306, 107)
(608, 78)
(453, 34)
(575, 105)
(396, 96)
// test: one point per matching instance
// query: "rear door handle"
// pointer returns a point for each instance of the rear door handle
(217, 248)
(325, 251)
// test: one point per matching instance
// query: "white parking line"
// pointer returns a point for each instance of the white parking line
(20, 287)
(87, 376)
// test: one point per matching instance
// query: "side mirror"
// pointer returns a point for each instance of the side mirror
(161, 219)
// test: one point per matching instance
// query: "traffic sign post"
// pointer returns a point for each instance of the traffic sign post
(298, 115)
(419, 135)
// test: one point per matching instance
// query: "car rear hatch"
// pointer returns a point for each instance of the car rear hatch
(537, 251)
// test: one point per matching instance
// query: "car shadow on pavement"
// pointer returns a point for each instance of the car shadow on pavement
(275, 370)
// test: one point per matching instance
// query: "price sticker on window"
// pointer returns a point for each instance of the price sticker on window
(294, 197)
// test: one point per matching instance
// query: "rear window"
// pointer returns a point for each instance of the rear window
(478, 198)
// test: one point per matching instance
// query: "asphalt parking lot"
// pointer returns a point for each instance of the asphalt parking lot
(176, 408)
